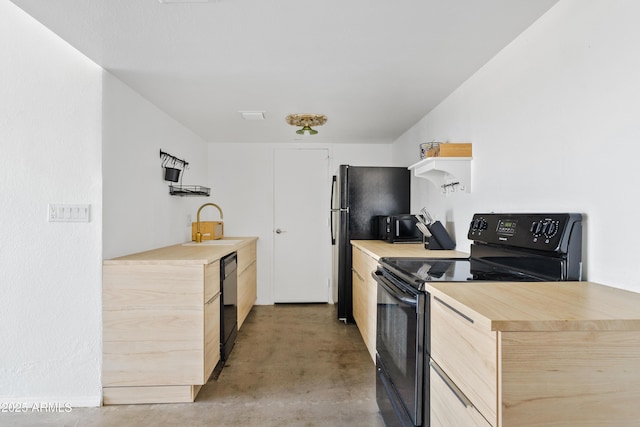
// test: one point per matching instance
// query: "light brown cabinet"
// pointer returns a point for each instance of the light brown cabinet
(365, 293)
(561, 354)
(161, 331)
(467, 354)
(449, 406)
(161, 319)
(247, 283)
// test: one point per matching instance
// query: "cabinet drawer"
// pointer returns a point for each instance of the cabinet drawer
(247, 292)
(448, 405)
(358, 262)
(211, 280)
(467, 352)
(246, 256)
(359, 298)
(371, 312)
(364, 265)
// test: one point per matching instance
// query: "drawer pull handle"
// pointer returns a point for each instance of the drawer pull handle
(455, 390)
(212, 298)
(357, 274)
(246, 267)
(458, 312)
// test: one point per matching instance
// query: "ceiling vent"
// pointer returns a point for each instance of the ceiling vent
(183, 1)
(252, 115)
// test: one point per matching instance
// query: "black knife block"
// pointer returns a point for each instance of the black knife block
(440, 239)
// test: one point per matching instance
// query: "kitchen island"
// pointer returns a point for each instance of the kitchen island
(161, 319)
(365, 256)
(534, 354)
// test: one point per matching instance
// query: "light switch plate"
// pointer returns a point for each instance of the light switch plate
(68, 213)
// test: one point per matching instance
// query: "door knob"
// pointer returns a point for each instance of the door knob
(278, 231)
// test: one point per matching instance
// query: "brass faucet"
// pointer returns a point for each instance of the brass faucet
(198, 234)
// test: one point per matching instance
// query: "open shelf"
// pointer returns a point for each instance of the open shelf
(448, 173)
(189, 190)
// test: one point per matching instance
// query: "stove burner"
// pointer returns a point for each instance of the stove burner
(417, 271)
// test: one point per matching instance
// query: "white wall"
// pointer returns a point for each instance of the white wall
(241, 178)
(554, 123)
(139, 212)
(50, 272)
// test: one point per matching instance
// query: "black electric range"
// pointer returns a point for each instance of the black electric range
(506, 247)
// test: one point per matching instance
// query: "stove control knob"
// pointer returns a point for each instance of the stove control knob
(538, 228)
(479, 224)
(545, 226)
(552, 229)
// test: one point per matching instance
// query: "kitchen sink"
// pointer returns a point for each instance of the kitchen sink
(213, 243)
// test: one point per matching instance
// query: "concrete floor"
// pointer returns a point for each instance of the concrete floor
(293, 365)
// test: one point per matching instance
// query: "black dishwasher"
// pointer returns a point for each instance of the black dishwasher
(228, 304)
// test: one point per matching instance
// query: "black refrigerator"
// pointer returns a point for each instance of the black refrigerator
(358, 194)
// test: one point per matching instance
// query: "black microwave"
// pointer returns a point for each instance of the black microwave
(400, 228)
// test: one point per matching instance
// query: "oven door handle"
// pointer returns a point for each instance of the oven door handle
(395, 292)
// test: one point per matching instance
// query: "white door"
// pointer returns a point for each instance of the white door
(302, 247)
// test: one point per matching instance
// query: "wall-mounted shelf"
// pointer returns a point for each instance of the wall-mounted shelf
(450, 174)
(169, 163)
(189, 190)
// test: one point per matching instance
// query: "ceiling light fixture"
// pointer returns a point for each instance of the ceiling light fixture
(306, 121)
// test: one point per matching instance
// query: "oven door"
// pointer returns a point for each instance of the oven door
(400, 347)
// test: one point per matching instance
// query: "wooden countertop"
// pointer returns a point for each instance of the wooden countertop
(531, 306)
(180, 254)
(544, 306)
(379, 248)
